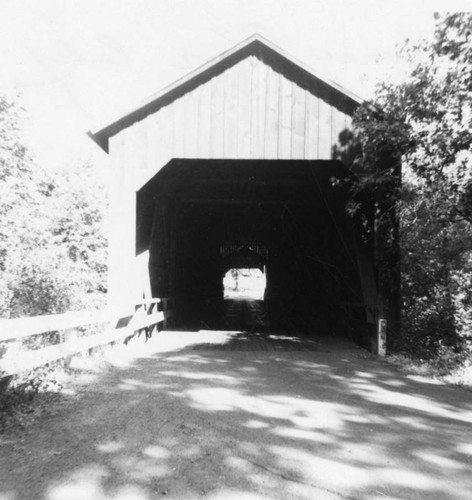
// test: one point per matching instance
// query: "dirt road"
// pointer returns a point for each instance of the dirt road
(226, 416)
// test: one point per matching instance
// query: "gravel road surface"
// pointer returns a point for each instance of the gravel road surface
(221, 415)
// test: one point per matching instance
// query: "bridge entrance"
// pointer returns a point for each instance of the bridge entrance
(200, 218)
(232, 166)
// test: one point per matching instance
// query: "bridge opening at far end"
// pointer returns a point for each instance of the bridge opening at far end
(244, 283)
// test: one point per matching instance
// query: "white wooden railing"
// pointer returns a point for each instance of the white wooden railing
(148, 315)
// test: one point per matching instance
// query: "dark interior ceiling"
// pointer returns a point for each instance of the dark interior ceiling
(243, 190)
(241, 180)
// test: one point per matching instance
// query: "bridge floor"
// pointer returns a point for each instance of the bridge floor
(221, 415)
(252, 316)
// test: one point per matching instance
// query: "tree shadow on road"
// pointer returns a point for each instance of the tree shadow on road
(256, 424)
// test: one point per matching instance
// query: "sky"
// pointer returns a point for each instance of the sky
(79, 63)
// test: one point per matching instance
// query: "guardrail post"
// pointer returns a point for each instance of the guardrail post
(382, 337)
(69, 334)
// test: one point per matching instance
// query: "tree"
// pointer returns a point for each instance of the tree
(426, 122)
(16, 191)
(52, 244)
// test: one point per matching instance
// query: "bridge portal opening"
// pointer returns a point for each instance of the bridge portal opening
(200, 218)
(244, 283)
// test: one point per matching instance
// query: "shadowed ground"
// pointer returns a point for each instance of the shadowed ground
(246, 415)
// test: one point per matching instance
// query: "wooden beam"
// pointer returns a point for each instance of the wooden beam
(13, 329)
(29, 360)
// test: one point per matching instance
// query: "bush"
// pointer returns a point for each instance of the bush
(52, 245)
(18, 404)
(427, 119)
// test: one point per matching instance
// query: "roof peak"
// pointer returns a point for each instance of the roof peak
(267, 51)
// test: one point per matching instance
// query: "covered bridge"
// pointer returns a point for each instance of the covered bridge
(235, 162)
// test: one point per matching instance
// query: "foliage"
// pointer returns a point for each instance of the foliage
(16, 189)
(52, 254)
(426, 121)
(52, 244)
(19, 402)
(450, 367)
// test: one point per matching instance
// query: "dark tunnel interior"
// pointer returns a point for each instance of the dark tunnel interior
(200, 218)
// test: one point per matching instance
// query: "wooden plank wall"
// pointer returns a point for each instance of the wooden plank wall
(249, 111)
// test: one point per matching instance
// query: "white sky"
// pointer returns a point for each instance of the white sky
(79, 62)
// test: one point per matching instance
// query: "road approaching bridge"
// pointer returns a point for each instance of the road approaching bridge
(231, 415)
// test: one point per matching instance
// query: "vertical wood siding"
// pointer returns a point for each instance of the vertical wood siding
(249, 112)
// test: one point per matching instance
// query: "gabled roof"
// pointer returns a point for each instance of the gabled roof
(255, 45)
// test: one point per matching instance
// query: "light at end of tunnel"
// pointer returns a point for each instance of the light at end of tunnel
(244, 283)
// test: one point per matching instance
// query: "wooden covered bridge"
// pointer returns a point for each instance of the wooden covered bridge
(239, 158)
(239, 154)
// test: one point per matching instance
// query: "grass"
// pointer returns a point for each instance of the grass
(39, 391)
(443, 370)
(28, 396)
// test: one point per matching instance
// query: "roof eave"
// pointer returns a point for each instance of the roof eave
(102, 141)
(101, 134)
